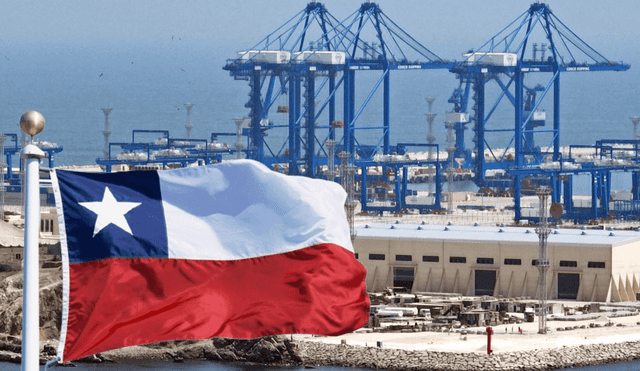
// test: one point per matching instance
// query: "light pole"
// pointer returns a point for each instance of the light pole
(542, 263)
(31, 123)
(188, 125)
(106, 132)
(430, 117)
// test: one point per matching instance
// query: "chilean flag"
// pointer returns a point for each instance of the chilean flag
(228, 250)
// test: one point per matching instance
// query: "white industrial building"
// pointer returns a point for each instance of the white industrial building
(584, 264)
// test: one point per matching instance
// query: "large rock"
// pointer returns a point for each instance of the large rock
(50, 304)
(265, 350)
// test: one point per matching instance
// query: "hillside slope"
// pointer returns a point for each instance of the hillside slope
(50, 302)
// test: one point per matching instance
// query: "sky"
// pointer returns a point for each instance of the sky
(611, 27)
(50, 49)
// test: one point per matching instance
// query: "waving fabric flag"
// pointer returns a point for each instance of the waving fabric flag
(229, 250)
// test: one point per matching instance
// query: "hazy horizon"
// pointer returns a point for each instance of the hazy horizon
(145, 59)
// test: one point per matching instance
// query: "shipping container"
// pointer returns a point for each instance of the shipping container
(494, 59)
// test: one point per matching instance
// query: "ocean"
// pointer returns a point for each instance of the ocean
(148, 85)
(225, 366)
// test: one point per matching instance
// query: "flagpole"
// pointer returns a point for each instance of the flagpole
(31, 124)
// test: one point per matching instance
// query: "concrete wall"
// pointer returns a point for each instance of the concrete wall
(49, 222)
(618, 280)
(625, 275)
(15, 255)
(11, 254)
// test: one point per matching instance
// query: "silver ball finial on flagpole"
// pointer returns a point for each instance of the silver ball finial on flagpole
(31, 123)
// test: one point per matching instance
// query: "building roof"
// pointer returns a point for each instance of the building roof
(484, 234)
(10, 235)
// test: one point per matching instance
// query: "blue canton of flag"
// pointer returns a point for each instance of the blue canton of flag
(88, 199)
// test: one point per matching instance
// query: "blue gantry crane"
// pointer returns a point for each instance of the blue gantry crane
(9, 151)
(12, 148)
(315, 74)
(303, 109)
(286, 62)
(162, 150)
(505, 60)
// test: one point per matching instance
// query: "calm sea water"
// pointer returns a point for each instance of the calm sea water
(222, 366)
(147, 86)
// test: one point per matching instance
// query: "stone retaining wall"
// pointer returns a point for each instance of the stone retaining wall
(316, 353)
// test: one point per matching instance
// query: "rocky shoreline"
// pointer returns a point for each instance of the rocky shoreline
(281, 350)
(314, 353)
(273, 350)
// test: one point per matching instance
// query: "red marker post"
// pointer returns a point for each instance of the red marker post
(489, 332)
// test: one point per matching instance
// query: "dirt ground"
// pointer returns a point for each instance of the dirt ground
(505, 338)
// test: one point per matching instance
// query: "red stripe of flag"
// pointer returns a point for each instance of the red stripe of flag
(121, 302)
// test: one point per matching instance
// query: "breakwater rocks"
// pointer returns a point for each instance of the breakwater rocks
(11, 349)
(282, 351)
(272, 350)
(316, 353)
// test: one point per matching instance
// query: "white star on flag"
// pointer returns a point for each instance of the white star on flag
(110, 211)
